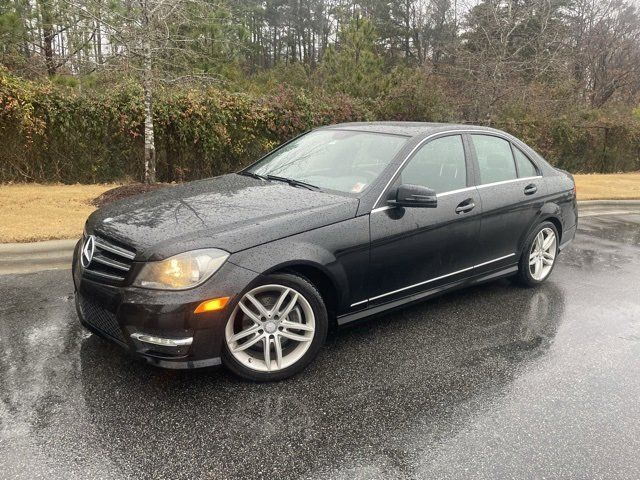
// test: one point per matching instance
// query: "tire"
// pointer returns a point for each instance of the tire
(292, 321)
(527, 273)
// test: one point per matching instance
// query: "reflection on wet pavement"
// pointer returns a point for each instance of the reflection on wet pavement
(496, 381)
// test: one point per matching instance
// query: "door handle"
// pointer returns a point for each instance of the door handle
(530, 189)
(465, 206)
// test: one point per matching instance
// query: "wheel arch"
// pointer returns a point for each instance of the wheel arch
(550, 212)
(319, 276)
(316, 256)
(557, 223)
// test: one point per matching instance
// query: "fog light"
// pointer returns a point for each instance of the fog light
(212, 305)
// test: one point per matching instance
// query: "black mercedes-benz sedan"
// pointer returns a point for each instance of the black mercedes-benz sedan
(252, 268)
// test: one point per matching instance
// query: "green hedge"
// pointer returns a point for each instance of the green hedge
(57, 134)
(579, 145)
(53, 134)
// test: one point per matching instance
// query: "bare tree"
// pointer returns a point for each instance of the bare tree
(155, 40)
(505, 45)
(605, 41)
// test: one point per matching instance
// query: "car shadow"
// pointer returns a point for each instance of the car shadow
(410, 377)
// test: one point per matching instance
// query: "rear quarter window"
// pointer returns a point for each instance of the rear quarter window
(526, 167)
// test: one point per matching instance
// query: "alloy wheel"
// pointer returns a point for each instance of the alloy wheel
(542, 254)
(271, 328)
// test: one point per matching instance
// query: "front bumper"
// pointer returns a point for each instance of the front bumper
(160, 326)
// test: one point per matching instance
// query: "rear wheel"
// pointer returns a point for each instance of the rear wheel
(539, 255)
(276, 329)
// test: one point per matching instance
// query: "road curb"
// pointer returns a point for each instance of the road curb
(609, 203)
(35, 256)
(46, 247)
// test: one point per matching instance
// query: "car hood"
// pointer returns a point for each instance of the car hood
(231, 212)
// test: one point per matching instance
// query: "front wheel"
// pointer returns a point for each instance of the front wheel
(539, 255)
(276, 329)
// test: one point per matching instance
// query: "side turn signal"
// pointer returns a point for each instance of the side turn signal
(212, 305)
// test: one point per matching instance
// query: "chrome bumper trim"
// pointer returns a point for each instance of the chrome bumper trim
(164, 342)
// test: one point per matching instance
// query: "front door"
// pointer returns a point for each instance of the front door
(415, 249)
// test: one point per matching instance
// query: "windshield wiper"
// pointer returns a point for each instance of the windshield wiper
(293, 182)
(252, 175)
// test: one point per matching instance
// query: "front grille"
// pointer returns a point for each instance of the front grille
(100, 319)
(110, 262)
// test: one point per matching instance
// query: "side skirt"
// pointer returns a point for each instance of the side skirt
(433, 292)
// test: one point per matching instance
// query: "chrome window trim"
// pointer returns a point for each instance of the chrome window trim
(429, 137)
(381, 209)
(433, 279)
(467, 189)
(453, 192)
(503, 182)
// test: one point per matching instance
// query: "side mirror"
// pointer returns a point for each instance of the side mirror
(415, 196)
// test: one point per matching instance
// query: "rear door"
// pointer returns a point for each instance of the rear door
(415, 249)
(511, 190)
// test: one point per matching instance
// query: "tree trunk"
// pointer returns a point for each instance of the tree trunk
(149, 142)
(98, 36)
(407, 35)
(48, 49)
(48, 35)
(21, 11)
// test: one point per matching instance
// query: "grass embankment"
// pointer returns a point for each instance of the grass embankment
(615, 186)
(33, 212)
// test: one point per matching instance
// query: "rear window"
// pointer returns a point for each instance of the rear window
(495, 159)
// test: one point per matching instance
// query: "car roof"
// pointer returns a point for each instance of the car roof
(422, 129)
(411, 129)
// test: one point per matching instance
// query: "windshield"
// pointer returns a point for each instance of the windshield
(343, 160)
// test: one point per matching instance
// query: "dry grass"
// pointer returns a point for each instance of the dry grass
(616, 186)
(33, 212)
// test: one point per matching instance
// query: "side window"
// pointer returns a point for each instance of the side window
(526, 168)
(439, 165)
(494, 159)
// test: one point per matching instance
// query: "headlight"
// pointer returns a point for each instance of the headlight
(181, 271)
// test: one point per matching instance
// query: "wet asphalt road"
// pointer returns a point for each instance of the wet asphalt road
(492, 382)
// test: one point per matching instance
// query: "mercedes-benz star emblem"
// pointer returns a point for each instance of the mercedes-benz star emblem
(87, 251)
